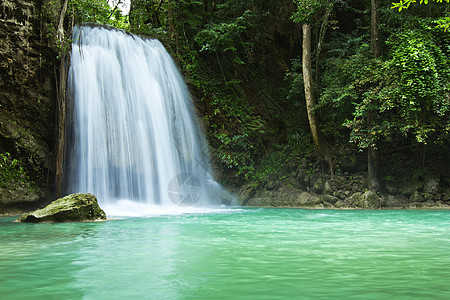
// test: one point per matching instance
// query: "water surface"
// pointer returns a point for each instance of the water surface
(232, 254)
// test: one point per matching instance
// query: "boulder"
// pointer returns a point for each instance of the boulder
(306, 199)
(340, 204)
(392, 201)
(370, 200)
(246, 193)
(330, 199)
(353, 200)
(72, 208)
(259, 201)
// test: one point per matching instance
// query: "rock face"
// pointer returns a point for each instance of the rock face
(74, 207)
(26, 102)
(350, 193)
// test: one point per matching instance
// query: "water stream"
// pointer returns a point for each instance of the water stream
(232, 254)
(134, 140)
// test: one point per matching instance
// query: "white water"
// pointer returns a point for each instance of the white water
(134, 140)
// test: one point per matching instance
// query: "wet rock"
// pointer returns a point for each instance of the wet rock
(72, 208)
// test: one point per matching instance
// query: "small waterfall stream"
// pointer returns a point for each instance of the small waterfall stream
(134, 140)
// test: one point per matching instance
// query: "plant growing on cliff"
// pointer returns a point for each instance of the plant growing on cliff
(11, 170)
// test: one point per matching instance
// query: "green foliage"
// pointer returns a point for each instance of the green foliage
(98, 11)
(308, 11)
(368, 101)
(279, 160)
(420, 91)
(406, 94)
(443, 23)
(224, 37)
(406, 3)
(11, 170)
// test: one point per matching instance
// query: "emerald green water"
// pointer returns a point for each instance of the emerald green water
(232, 254)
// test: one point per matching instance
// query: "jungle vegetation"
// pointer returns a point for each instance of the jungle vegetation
(331, 86)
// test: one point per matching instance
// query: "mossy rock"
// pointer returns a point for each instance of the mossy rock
(72, 208)
(370, 200)
(306, 199)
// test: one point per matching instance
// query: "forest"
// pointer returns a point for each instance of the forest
(310, 103)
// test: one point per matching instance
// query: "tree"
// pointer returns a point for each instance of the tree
(308, 12)
(373, 164)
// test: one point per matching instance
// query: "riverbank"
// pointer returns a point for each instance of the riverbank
(345, 192)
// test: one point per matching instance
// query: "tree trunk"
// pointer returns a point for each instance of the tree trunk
(61, 125)
(323, 30)
(373, 168)
(61, 103)
(320, 143)
(374, 32)
(60, 29)
(373, 165)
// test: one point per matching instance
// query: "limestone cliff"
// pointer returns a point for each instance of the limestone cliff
(27, 100)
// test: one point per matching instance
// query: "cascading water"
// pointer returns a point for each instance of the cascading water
(133, 139)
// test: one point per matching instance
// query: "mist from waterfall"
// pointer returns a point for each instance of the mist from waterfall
(133, 138)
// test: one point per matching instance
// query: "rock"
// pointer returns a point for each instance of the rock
(246, 193)
(27, 102)
(307, 199)
(74, 207)
(411, 187)
(327, 205)
(327, 188)
(339, 204)
(318, 186)
(294, 182)
(391, 188)
(416, 197)
(259, 201)
(370, 200)
(446, 197)
(330, 199)
(271, 185)
(353, 200)
(431, 183)
(340, 194)
(392, 201)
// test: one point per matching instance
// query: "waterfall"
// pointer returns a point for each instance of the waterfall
(133, 138)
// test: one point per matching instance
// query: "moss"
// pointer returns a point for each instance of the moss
(74, 207)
